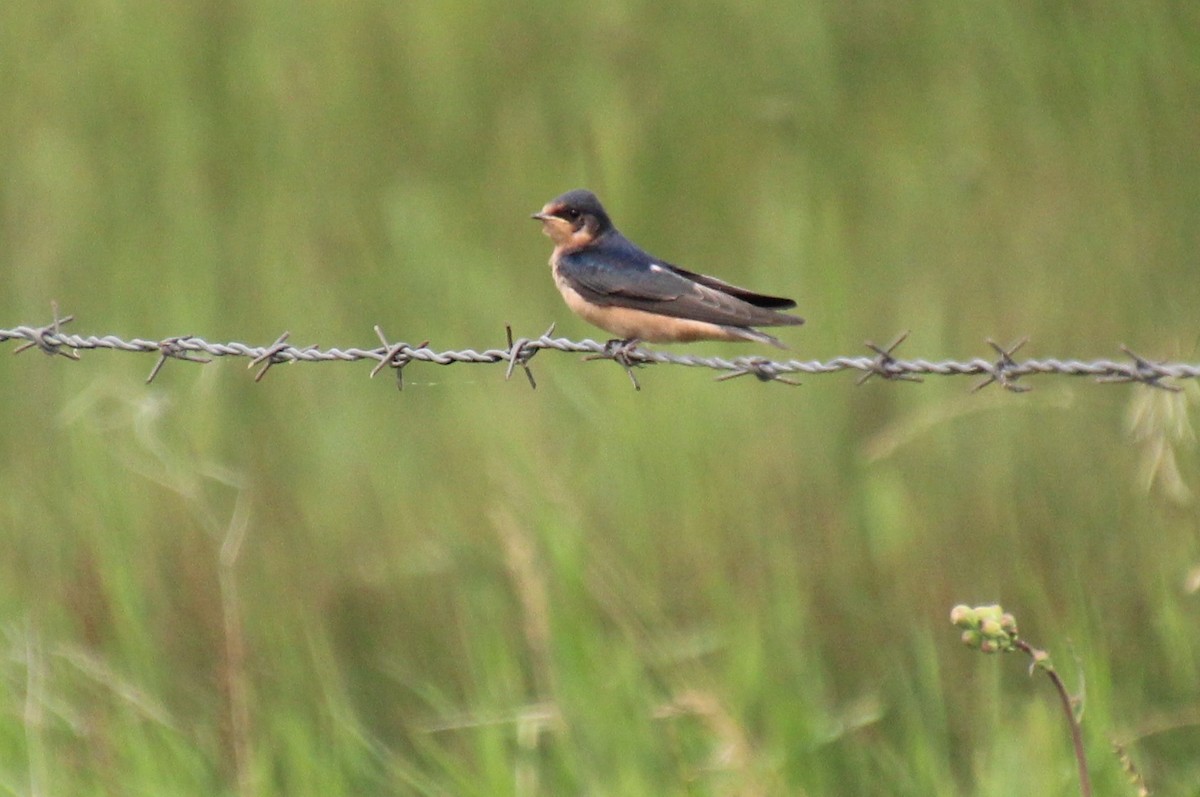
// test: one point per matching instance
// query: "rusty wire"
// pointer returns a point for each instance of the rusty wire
(1001, 368)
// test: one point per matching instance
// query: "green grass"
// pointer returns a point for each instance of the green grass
(471, 588)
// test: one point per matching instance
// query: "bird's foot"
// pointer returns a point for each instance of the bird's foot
(622, 351)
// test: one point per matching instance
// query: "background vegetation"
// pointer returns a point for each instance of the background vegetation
(318, 586)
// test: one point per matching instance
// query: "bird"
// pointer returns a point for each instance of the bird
(611, 283)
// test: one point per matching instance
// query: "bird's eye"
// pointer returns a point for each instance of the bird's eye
(570, 214)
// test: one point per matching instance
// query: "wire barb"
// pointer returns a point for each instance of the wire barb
(886, 365)
(1144, 371)
(1004, 370)
(172, 348)
(520, 352)
(761, 369)
(395, 355)
(41, 336)
(270, 356)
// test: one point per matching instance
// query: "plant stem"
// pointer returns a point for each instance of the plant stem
(1085, 782)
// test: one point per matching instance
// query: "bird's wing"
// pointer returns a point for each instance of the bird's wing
(756, 299)
(624, 276)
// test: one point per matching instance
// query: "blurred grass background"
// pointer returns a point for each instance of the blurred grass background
(317, 586)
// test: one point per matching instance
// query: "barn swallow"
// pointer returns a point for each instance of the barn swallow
(611, 283)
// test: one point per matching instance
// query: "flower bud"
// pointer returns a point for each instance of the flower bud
(962, 616)
(993, 612)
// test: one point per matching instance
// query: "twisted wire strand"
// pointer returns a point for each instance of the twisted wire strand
(1001, 369)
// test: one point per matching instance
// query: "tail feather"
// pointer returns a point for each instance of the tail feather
(755, 335)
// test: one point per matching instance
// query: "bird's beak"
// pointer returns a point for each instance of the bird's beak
(541, 215)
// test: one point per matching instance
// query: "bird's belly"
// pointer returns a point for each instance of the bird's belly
(627, 323)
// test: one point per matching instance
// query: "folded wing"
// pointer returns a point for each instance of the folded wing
(632, 279)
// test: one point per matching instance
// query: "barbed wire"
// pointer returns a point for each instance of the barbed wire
(1003, 369)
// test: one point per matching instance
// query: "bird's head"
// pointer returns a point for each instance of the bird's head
(574, 219)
